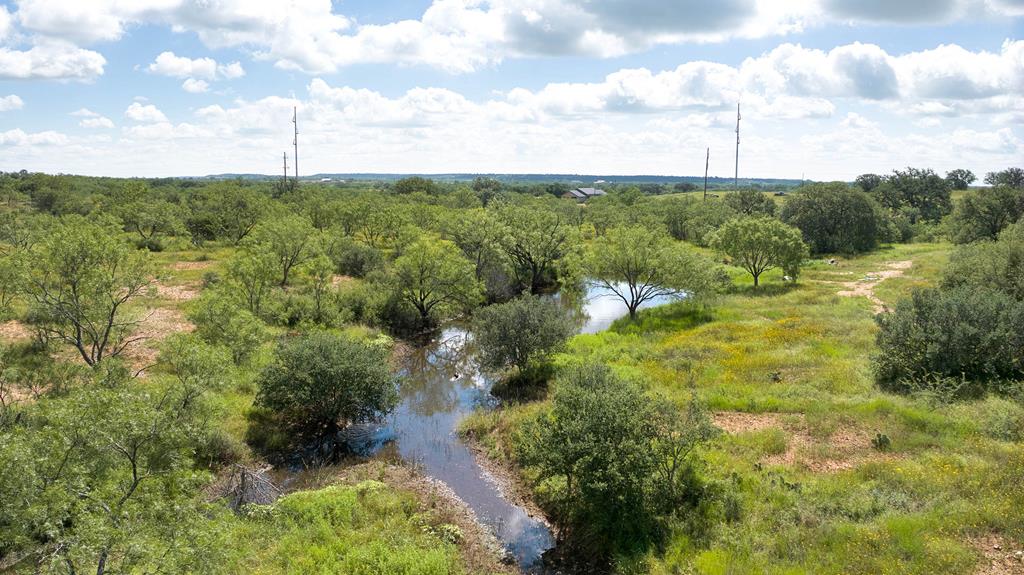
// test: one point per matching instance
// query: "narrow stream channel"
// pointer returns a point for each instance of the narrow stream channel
(441, 385)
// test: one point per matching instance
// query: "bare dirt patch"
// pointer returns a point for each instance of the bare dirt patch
(186, 292)
(157, 325)
(14, 330)
(865, 287)
(999, 556)
(339, 280)
(186, 266)
(845, 448)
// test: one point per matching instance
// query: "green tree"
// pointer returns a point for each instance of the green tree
(221, 320)
(983, 213)
(834, 218)
(434, 277)
(638, 265)
(252, 273)
(82, 277)
(759, 244)
(595, 444)
(225, 210)
(289, 239)
(101, 481)
(922, 193)
(415, 184)
(868, 182)
(323, 382)
(995, 265)
(694, 220)
(960, 179)
(521, 333)
(750, 203)
(1010, 177)
(535, 240)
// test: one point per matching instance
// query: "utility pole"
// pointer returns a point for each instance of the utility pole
(285, 166)
(295, 142)
(707, 162)
(736, 183)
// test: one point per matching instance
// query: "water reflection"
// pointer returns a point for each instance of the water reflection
(441, 385)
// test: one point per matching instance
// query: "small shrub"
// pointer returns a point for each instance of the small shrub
(881, 442)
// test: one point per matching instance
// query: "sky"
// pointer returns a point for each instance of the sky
(829, 89)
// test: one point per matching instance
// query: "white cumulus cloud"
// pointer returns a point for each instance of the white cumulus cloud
(51, 59)
(145, 114)
(11, 102)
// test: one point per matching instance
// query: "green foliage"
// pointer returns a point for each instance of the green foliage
(522, 333)
(960, 179)
(758, 244)
(695, 220)
(252, 274)
(868, 182)
(353, 258)
(101, 481)
(750, 203)
(834, 218)
(321, 382)
(365, 529)
(638, 265)
(613, 459)
(414, 185)
(995, 265)
(983, 213)
(82, 276)
(221, 320)
(1010, 178)
(921, 194)
(973, 333)
(288, 240)
(224, 211)
(435, 278)
(535, 240)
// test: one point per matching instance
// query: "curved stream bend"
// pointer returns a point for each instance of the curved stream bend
(442, 384)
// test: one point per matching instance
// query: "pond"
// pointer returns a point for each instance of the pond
(441, 385)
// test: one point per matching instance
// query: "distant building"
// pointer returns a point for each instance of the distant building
(583, 194)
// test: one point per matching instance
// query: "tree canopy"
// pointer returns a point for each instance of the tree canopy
(759, 244)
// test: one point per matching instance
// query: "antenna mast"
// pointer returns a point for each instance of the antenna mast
(736, 183)
(707, 162)
(285, 166)
(295, 142)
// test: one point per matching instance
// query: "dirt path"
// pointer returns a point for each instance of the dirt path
(866, 286)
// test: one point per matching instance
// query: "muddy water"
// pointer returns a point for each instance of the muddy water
(441, 385)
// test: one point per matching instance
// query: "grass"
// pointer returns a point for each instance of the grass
(368, 528)
(952, 472)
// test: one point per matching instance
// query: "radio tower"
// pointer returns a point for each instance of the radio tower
(736, 183)
(295, 142)
(285, 166)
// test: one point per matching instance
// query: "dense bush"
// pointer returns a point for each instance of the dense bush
(750, 203)
(966, 334)
(521, 334)
(995, 265)
(353, 258)
(322, 382)
(835, 219)
(221, 320)
(759, 244)
(694, 220)
(982, 214)
(918, 194)
(613, 461)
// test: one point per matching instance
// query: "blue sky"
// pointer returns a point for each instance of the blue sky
(831, 88)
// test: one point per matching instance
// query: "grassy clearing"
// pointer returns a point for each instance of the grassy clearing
(366, 528)
(816, 495)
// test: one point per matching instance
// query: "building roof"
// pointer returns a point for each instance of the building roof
(588, 192)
